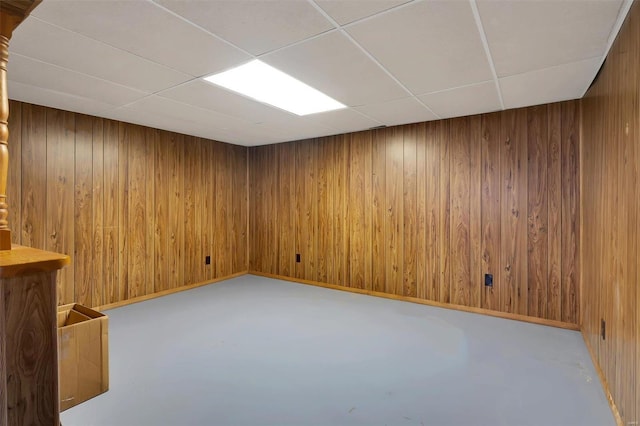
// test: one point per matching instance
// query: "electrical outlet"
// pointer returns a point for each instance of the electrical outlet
(488, 280)
(207, 260)
(297, 257)
(603, 329)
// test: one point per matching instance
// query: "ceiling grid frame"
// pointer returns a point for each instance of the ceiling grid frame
(278, 127)
(487, 49)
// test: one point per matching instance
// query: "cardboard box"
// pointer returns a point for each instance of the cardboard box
(83, 354)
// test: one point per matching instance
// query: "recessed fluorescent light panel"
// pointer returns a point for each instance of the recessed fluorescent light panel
(266, 84)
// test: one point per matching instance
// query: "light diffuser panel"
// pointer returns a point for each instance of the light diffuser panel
(266, 84)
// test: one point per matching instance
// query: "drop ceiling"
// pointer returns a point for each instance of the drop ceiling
(390, 61)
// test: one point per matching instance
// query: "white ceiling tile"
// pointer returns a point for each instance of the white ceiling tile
(134, 116)
(266, 139)
(529, 35)
(209, 96)
(46, 97)
(334, 65)
(158, 113)
(145, 118)
(296, 128)
(343, 120)
(235, 137)
(303, 133)
(400, 111)
(261, 119)
(144, 29)
(428, 46)
(48, 43)
(163, 113)
(563, 82)
(346, 11)
(93, 56)
(257, 26)
(164, 108)
(462, 101)
(29, 71)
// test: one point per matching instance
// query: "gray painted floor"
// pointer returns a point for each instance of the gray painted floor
(257, 351)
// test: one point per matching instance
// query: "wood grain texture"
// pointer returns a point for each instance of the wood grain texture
(378, 246)
(425, 210)
(476, 281)
(28, 336)
(513, 204)
(161, 213)
(285, 220)
(192, 247)
(256, 198)
(112, 195)
(135, 222)
(111, 207)
(554, 211)
(176, 209)
(609, 227)
(537, 211)
(124, 242)
(570, 218)
(14, 192)
(239, 212)
(255, 185)
(152, 139)
(12, 14)
(10, 17)
(266, 216)
(98, 261)
(3, 365)
(306, 209)
(490, 208)
(357, 211)
(394, 211)
(444, 214)
(459, 233)
(421, 211)
(34, 177)
(59, 212)
(340, 218)
(83, 213)
(410, 210)
(629, 156)
(325, 210)
(208, 202)
(21, 260)
(433, 231)
(368, 202)
(630, 359)
(270, 215)
(31, 356)
(223, 209)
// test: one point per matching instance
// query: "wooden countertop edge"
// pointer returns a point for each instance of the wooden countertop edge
(22, 260)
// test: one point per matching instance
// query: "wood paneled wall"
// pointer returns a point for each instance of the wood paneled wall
(138, 209)
(425, 210)
(610, 218)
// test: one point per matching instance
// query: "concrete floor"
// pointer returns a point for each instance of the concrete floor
(257, 351)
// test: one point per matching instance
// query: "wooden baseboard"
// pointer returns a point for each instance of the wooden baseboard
(516, 317)
(505, 315)
(603, 381)
(166, 292)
